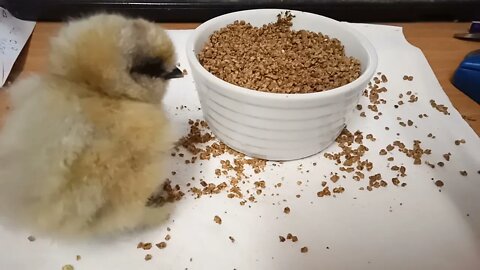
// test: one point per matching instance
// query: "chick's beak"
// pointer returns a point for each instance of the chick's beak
(175, 73)
(155, 68)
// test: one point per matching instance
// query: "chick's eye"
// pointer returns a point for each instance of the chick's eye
(152, 67)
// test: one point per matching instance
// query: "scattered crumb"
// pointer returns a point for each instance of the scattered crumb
(324, 192)
(458, 142)
(384, 78)
(31, 238)
(334, 178)
(68, 267)
(439, 107)
(161, 245)
(464, 173)
(282, 239)
(144, 246)
(78, 257)
(231, 239)
(286, 210)
(217, 220)
(304, 249)
(395, 181)
(439, 183)
(148, 257)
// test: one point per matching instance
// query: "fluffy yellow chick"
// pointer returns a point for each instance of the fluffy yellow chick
(84, 144)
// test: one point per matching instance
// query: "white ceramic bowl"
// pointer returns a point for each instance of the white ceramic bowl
(276, 126)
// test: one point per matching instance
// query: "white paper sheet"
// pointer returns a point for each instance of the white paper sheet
(414, 227)
(14, 33)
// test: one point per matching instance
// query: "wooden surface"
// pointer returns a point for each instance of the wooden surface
(443, 52)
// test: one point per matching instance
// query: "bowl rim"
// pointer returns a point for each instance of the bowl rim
(251, 93)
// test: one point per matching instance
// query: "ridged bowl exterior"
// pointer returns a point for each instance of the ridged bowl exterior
(279, 126)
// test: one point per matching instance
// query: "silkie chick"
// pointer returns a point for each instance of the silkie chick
(84, 144)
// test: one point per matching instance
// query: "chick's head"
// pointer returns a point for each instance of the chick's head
(115, 56)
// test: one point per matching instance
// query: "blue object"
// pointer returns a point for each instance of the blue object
(467, 76)
(475, 27)
(473, 34)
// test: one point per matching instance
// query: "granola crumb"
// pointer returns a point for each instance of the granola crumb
(463, 173)
(324, 192)
(217, 220)
(147, 246)
(284, 51)
(231, 239)
(148, 257)
(439, 183)
(282, 239)
(78, 257)
(286, 210)
(334, 178)
(384, 78)
(31, 238)
(144, 246)
(458, 142)
(439, 107)
(304, 249)
(395, 181)
(161, 245)
(68, 267)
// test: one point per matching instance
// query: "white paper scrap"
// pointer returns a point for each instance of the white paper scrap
(14, 33)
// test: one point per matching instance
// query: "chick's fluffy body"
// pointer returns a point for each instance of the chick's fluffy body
(83, 146)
